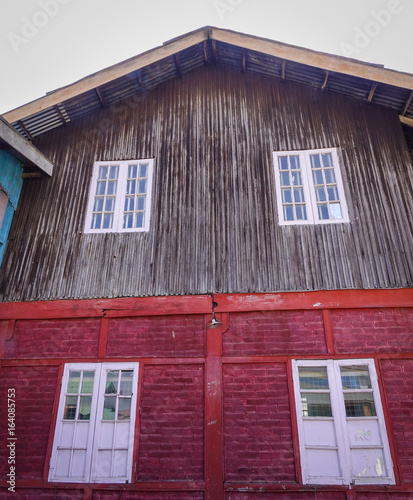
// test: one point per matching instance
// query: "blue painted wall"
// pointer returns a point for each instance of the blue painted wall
(11, 182)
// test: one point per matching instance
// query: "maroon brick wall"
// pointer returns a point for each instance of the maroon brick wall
(275, 332)
(398, 383)
(157, 336)
(38, 494)
(373, 330)
(171, 436)
(52, 338)
(257, 423)
(34, 396)
(146, 495)
(290, 495)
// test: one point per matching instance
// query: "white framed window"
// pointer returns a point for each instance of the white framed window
(341, 427)
(309, 187)
(94, 435)
(120, 196)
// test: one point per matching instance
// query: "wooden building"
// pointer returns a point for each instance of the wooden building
(211, 296)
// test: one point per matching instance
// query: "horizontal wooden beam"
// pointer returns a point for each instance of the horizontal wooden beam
(106, 75)
(110, 308)
(325, 299)
(327, 62)
(202, 304)
(23, 150)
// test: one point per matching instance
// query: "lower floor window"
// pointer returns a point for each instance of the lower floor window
(341, 426)
(95, 424)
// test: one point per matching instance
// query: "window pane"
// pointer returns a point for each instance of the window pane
(124, 409)
(285, 178)
(332, 194)
(112, 187)
(335, 211)
(98, 206)
(112, 382)
(109, 408)
(107, 221)
(131, 187)
(101, 188)
(110, 204)
(142, 186)
(299, 212)
(288, 212)
(313, 377)
(320, 194)
(127, 221)
(113, 174)
(126, 383)
(330, 177)
(143, 170)
(132, 171)
(296, 178)
(139, 219)
(359, 404)
(315, 161)
(141, 203)
(96, 221)
(323, 211)
(327, 160)
(84, 407)
(73, 382)
(295, 162)
(298, 195)
(318, 177)
(70, 408)
(87, 382)
(103, 172)
(283, 162)
(316, 404)
(355, 377)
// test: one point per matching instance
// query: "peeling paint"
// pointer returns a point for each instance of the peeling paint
(364, 435)
(317, 304)
(212, 422)
(379, 467)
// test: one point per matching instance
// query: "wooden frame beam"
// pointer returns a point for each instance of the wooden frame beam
(100, 96)
(406, 106)
(202, 304)
(324, 85)
(178, 65)
(23, 150)
(371, 93)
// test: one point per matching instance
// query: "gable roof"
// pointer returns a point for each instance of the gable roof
(209, 45)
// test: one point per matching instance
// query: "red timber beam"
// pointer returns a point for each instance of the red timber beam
(202, 304)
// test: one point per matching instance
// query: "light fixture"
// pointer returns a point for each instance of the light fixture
(214, 323)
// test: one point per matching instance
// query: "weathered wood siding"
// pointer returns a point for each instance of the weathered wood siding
(214, 221)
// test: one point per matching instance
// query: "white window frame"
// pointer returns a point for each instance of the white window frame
(117, 226)
(91, 445)
(309, 189)
(344, 444)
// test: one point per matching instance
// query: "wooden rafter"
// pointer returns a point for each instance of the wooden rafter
(178, 65)
(214, 51)
(59, 112)
(100, 96)
(325, 80)
(25, 130)
(283, 67)
(371, 94)
(406, 106)
(243, 61)
(205, 44)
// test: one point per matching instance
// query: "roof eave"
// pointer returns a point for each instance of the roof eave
(23, 150)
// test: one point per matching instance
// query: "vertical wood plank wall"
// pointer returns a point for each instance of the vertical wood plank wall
(214, 222)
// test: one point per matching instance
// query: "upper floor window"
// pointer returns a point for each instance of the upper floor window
(95, 424)
(120, 196)
(309, 187)
(341, 427)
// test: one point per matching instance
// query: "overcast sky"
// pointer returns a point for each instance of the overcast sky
(46, 44)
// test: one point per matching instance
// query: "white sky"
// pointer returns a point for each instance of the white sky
(46, 44)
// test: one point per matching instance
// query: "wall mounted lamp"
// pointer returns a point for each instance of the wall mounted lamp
(214, 323)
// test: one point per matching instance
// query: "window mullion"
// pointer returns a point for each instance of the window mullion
(309, 188)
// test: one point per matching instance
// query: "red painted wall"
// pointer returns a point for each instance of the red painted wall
(171, 430)
(256, 429)
(257, 423)
(275, 332)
